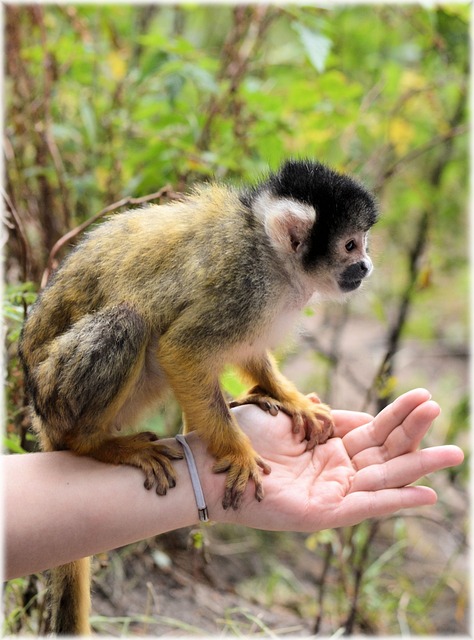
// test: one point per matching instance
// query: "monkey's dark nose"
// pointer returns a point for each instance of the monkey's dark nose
(353, 275)
(356, 271)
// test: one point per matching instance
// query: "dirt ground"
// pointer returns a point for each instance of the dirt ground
(222, 597)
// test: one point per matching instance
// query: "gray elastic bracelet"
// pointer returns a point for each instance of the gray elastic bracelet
(193, 472)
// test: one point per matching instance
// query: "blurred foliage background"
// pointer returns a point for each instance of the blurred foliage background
(106, 105)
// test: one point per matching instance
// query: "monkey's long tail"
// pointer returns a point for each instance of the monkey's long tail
(70, 598)
(69, 585)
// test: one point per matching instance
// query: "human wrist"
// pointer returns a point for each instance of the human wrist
(194, 478)
(213, 485)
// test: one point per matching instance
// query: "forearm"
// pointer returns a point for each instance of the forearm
(59, 507)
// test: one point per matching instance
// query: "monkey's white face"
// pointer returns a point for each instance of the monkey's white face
(347, 266)
(338, 270)
(355, 264)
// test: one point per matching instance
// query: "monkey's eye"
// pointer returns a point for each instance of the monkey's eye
(351, 245)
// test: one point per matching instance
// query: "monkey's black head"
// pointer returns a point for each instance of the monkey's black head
(325, 216)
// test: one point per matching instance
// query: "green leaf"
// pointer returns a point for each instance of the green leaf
(316, 46)
(12, 444)
(314, 540)
(231, 383)
(89, 121)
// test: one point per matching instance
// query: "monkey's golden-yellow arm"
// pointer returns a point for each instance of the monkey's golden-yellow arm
(272, 391)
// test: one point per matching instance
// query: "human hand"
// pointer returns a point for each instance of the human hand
(363, 472)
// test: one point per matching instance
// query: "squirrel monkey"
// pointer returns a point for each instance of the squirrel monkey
(163, 297)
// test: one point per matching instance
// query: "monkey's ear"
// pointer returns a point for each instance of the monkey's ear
(287, 222)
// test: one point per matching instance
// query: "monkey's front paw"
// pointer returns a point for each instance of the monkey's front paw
(310, 416)
(257, 396)
(240, 468)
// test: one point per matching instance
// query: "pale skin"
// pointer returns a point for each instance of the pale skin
(60, 507)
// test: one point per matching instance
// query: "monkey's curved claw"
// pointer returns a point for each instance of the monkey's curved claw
(257, 396)
(269, 406)
(145, 451)
(158, 468)
(315, 422)
(239, 472)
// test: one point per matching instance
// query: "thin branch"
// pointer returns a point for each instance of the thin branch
(25, 251)
(322, 584)
(385, 369)
(335, 362)
(359, 570)
(414, 154)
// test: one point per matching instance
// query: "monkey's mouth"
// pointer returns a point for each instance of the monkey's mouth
(349, 285)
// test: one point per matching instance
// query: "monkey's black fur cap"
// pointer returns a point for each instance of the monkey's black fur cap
(342, 204)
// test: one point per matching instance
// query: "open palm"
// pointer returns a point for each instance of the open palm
(363, 471)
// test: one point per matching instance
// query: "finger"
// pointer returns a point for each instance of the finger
(361, 505)
(406, 469)
(346, 421)
(413, 429)
(403, 439)
(376, 432)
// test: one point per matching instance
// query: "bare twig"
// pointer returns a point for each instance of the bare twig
(335, 362)
(414, 154)
(322, 584)
(128, 200)
(25, 251)
(358, 575)
(385, 370)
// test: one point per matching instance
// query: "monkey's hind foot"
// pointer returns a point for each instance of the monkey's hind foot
(310, 416)
(241, 467)
(142, 450)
